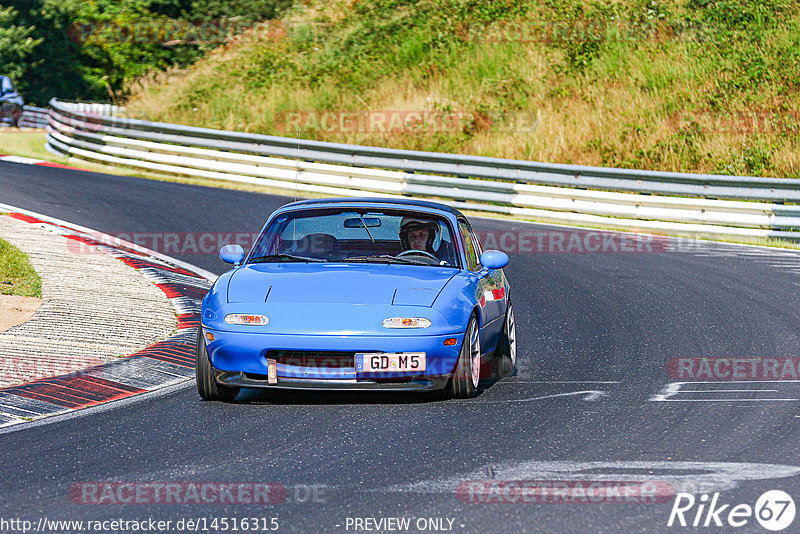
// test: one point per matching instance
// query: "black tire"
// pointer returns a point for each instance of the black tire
(207, 387)
(505, 355)
(462, 384)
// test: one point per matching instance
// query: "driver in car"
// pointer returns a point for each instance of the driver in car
(421, 234)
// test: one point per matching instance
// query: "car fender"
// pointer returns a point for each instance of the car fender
(458, 300)
(216, 297)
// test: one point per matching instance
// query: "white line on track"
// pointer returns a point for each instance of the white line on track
(591, 395)
(673, 389)
(729, 400)
(558, 382)
(728, 390)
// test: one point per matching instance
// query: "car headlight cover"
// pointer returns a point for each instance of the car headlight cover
(406, 322)
(246, 319)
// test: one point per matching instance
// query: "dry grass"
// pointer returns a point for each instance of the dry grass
(28, 143)
(664, 103)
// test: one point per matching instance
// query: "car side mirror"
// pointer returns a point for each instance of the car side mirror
(494, 259)
(232, 254)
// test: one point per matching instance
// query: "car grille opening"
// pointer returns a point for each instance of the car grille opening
(256, 376)
(398, 380)
(313, 359)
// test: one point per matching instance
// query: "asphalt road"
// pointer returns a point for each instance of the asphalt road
(591, 399)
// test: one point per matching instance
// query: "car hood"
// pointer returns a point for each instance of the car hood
(337, 283)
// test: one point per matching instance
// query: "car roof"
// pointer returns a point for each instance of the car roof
(401, 202)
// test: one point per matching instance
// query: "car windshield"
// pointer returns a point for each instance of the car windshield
(357, 235)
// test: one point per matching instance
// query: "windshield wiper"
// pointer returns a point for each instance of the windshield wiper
(385, 258)
(284, 257)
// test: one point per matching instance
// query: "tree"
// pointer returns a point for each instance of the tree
(16, 45)
(247, 10)
(92, 49)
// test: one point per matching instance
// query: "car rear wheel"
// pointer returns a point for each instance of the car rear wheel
(505, 356)
(463, 383)
(207, 387)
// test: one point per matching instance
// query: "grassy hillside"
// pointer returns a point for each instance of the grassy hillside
(683, 85)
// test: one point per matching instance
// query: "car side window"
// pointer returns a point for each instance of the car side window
(477, 241)
(469, 246)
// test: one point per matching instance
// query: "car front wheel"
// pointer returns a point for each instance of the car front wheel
(207, 387)
(463, 383)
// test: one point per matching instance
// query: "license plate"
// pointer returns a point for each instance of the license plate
(382, 362)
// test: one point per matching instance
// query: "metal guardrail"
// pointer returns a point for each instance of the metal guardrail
(30, 117)
(647, 200)
(33, 117)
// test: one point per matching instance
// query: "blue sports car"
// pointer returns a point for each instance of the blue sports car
(359, 294)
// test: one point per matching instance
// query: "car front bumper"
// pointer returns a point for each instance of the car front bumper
(240, 360)
(243, 380)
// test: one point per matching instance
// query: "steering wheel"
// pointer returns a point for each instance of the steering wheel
(418, 252)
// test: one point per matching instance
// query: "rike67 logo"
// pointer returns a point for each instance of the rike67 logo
(774, 510)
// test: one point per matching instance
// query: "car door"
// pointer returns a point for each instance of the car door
(488, 284)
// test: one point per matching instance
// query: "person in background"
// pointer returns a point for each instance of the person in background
(10, 102)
